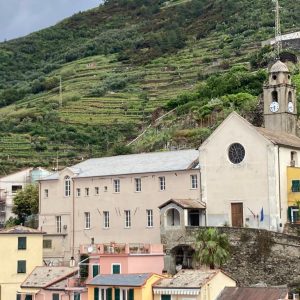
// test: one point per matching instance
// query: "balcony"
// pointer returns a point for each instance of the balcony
(122, 249)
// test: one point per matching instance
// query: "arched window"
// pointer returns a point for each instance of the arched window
(67, 186)
(274, 96)
(173, 217)
(290, 97)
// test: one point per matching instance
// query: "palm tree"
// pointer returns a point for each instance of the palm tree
(211, 247)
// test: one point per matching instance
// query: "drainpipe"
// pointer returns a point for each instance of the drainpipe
(200, 194)
(73, 216)
(279, 181)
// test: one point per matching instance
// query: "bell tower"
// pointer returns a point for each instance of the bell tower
(280, 109)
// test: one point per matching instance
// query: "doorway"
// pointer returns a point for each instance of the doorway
(237, 219)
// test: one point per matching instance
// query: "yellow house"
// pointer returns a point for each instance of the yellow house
(122, 286)
(293, 192)
(193, 285)
(21, 250)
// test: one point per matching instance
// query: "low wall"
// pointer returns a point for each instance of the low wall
(257, 256)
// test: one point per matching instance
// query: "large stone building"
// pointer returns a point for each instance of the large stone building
(113, 199)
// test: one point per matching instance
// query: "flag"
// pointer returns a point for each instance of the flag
(262, 214)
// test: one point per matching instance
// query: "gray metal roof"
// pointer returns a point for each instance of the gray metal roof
(120, 279)
(135, 164)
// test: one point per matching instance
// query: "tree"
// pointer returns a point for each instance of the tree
(212, 247)
(26, 202)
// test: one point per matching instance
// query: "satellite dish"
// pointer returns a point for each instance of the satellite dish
(90, 249)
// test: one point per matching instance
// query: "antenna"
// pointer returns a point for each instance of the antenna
(278, 41)
(60, 92)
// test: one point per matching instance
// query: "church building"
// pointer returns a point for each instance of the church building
(250, 176)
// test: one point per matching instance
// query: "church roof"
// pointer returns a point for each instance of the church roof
(280, 138)
(279, 66)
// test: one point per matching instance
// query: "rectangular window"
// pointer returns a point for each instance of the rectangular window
(87, 191)
(21, 243)
(47, 244)
(78, 192)
(21, 266)
(96, 294)
(28, 297)
(127, 218)
(138, 184)
(18, 297)
(162, 183)
(67, 186)
(106, 219)
(295, 186)
(194, 181)
(165, 297)
(149, 217)
(46, 193)
(55, 296)
(95, 270)
(58, 224)
(117, 185)
(116, 269)
(131, 294)
(87, 220)
(76, 296)
(15, 188)
(96, 190)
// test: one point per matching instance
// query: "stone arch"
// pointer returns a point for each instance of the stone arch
(183, 256)
(172, 217)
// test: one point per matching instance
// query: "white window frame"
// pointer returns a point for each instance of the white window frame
(194, 181)
(78, 192)
(58, 224)
(117, 185)
(86, 191)
(127, 214)
(46, 193)
(87, 220)
(138, 184)
(106, 220)
(67, 186)
(96, 190)
(149, 213)
(162, 183)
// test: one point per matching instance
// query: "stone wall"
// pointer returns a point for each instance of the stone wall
(257, 256)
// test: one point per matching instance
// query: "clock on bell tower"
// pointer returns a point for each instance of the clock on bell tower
(280, 111)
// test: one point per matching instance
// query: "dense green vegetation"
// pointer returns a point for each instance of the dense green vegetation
(122, 65)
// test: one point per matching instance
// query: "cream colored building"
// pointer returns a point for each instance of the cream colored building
(244, 168)
(193, 285)
(21, 251)
(113, 199)
(11, 184)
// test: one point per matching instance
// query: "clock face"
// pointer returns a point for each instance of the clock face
(291, 107)
(274, 106)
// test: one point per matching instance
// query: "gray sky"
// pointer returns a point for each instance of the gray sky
(21, 17)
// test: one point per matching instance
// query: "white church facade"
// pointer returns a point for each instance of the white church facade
(244, 168)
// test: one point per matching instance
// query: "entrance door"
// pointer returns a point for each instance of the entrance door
(237, 214)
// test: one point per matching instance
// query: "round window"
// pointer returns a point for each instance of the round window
(274, 77)
(236, 153)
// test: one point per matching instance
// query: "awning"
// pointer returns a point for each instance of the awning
(159, 291)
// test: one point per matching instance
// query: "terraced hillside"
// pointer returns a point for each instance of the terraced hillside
(106, 99)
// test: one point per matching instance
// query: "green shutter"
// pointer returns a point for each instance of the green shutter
(95, 270)
(21, 243)
(131, 294)
(295, 186)
(165, 297)
(55, 296)
(28, 297)
(116, 269)
(109, 294)
(18, 297)
(117, 294)
(77, 296)
(21, 266)
(96, 293)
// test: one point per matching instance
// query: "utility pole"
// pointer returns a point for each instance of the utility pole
(60, 92)
(278, 42)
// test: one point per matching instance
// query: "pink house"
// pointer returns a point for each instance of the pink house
(53, 283)
(114, 258)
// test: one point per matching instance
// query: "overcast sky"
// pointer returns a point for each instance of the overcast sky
(21, 17)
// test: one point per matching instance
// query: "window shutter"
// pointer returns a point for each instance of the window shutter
(21, 243)
(55, 296)
(295, 186)
(109, 294)
(21, 266)
(96, 293)
(77, 296)
(165, 297)
(116, 269)
(131, 294)
(95, 270)
(117, 294)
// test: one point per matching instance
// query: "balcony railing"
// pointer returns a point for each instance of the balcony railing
(117, 249)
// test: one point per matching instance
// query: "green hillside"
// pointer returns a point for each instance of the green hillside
(124, 64)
